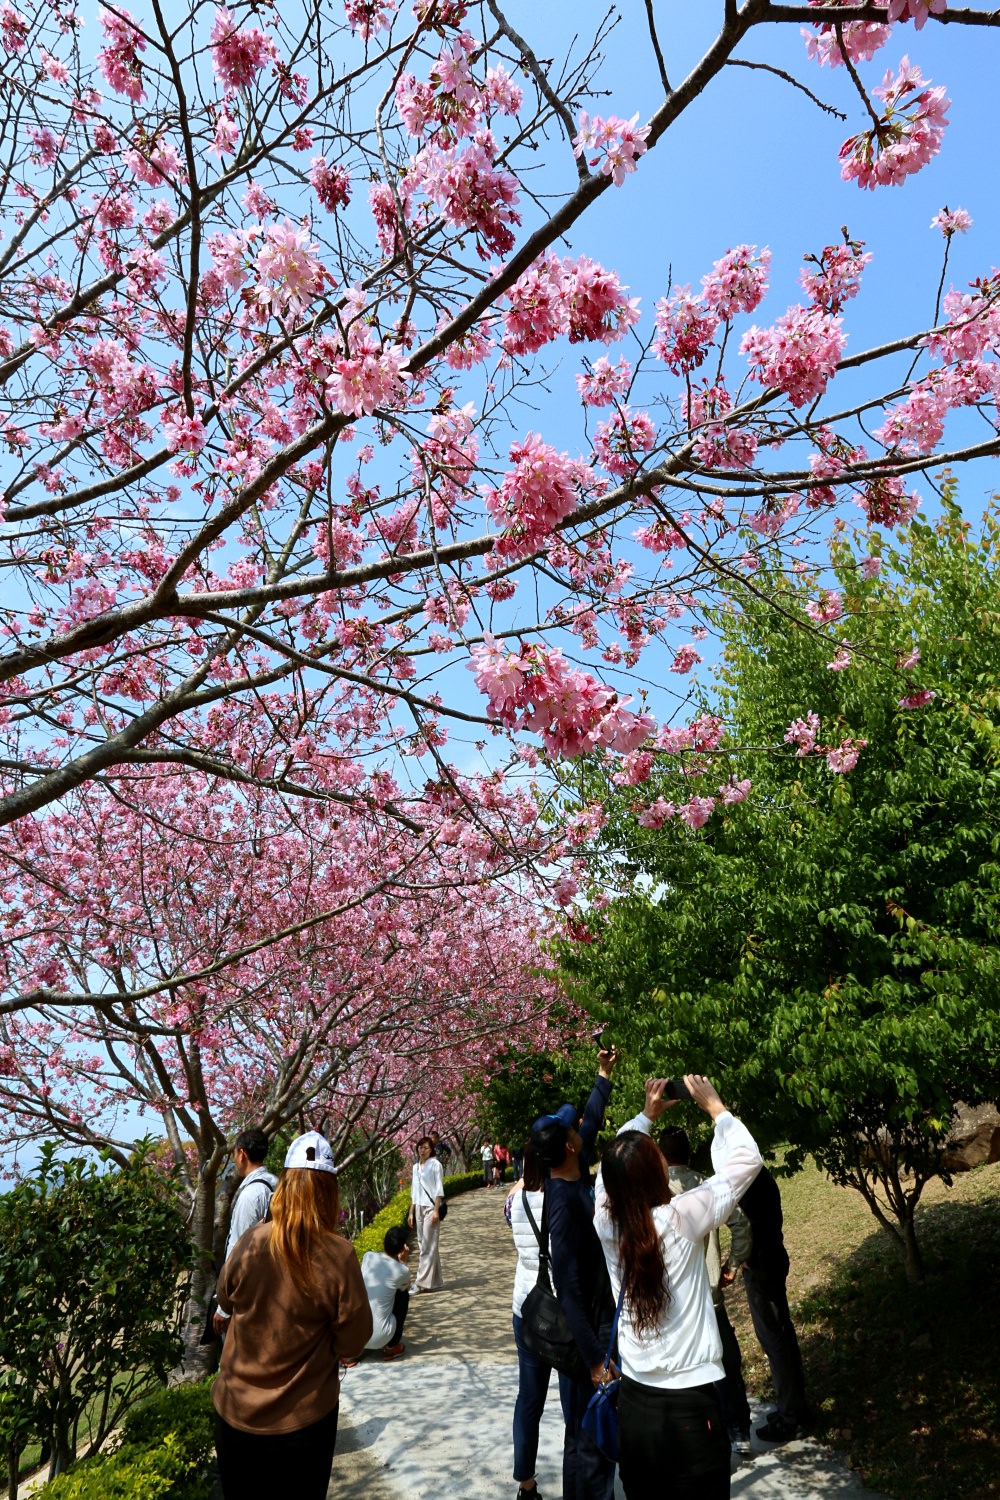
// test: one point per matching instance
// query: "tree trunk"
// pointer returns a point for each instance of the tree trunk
(13, 1471)
(198, 1359)
(913, 1261)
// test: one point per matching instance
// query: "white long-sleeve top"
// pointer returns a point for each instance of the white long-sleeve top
(684, 1350)
(427, 1183)
(525, 1244)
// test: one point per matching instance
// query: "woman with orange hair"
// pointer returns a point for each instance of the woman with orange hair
(672, 1439)
(297, 1303)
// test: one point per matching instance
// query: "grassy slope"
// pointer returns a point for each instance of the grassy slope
(905, 1382)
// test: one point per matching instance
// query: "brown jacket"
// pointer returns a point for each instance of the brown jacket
(280, 1367)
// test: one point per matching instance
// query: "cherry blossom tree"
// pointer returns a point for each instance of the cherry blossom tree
(278, 288)
(205, 959)
(273, 283)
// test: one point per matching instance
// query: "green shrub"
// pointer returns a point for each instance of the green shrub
(166, 1451)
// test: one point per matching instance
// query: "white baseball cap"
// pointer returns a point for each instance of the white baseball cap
(311, 1150)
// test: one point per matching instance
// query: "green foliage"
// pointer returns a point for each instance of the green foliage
(167, 1450)
(828, 949)
(90, 1275)
(532, 1084)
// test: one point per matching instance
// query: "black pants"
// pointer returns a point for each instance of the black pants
(672, 1445)
(400, 1307)
(772, 1323)
(731, 1391)
(587, 1474)
(261, 1466)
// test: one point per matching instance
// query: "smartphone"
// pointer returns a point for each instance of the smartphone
(597, 1037)
(676, 1089)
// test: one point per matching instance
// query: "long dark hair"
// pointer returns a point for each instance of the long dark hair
(635, 1180)
(533, 1172)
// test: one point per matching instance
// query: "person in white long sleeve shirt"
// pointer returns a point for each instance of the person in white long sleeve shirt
(426, 1198)
(673, 1441)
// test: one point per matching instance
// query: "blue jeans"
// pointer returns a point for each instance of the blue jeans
(532, 1387)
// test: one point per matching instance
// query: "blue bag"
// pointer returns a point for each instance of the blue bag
(600, 1419)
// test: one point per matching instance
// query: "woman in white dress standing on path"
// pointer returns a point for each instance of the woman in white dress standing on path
(426, 1197)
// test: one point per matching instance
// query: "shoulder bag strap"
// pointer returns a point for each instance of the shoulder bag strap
(614, 1326)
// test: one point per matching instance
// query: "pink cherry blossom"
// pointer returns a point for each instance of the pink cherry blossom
(918, 699)
(841, 659)
(332, 185)
(802, 733)
(685, 657)
(617, 143)
(620, 442)
(844, 757)
(906, 661)
(183, 434)
(656, 814)
(290, 273)
(861, 39)
(687, 327)
(827, 608)
(368, 17)
(238, 56)
(951, 221)
(916, 11)
(908, 136)
(738, 282)
(696, 812)
(798, 355)
(733, 791)
(118, 59)
(837, 277)
(539, 492)
(13, 29)
(604, 382)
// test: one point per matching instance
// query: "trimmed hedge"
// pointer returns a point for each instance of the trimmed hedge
(168, 1441)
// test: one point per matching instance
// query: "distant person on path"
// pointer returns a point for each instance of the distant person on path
(386, 1275)
(426, 1197)
(579, 1275)
(765, 1275)
(676, 1148)
(252, 1197)
(441, 1149)
(671, 1436)
(487, 1155)
(501, 1161)
(532, 1373)
(298, 1304)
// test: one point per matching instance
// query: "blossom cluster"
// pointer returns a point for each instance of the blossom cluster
(798, 355)
(453, 101)
(540, 491)
(687, 324)
(575, 297)
(568, 709)
(617, 144)
(907, 136)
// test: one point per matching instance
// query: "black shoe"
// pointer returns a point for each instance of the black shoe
(533, 1494)
(778, 1429)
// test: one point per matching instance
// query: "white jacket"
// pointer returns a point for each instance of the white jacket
(685, 1349)
(525, 1244)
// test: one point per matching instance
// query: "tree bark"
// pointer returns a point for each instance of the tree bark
(198, 1359)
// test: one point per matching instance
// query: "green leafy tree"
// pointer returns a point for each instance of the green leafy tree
(91, 1274)
(829, 947)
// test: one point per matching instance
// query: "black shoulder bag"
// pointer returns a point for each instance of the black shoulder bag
(543, 1322)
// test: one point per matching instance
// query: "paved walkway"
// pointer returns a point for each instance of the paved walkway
(438, 1421)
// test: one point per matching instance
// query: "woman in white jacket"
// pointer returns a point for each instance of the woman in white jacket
(673, 1442)
(532, 1373)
